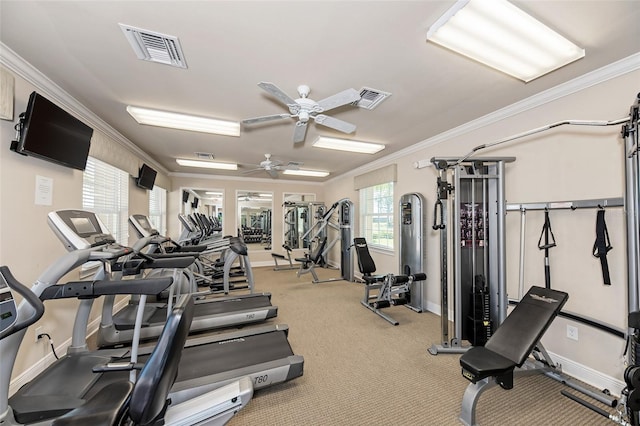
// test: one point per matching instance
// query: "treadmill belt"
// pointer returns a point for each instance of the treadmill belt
(208, 359)
(203, 309)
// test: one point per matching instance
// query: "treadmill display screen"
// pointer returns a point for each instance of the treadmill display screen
(83, 225)
(144, 223)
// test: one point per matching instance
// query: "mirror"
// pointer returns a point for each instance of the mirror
(254, 218)
(298, 217)
(209, 202)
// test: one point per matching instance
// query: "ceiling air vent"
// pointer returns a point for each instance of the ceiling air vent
(371, 98)
(155, 47)
(204, 156)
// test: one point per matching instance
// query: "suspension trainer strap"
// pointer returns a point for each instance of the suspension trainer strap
(546, 232)
(602, 245)
(548, 243)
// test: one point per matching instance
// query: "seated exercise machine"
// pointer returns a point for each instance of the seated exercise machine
(515, 348)
(277, 256)
(209, 362)
(391, 289)
(341, 227)
(311, 260)
(143, 402)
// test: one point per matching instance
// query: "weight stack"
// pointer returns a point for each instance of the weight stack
(480, 320)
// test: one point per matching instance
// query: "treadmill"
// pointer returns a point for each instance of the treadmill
(209, 314)
(209, 362)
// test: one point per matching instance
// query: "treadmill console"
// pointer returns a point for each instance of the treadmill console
(186, 223)
(142, 226)
(80, 229)
(8, 309)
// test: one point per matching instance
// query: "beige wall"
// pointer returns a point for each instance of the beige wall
(566, 163)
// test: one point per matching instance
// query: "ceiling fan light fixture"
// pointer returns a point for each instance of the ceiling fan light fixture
(175, 120)
(207, 164)
(504, 37)
(303, 172)
(348, 145)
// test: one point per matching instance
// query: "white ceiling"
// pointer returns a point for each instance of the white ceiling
(231, 46)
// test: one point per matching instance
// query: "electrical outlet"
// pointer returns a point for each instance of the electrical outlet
(39, 331)
(572, 332)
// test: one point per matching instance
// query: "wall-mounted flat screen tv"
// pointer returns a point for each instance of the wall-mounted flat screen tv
(195, 203)
(50, 133)
(185, 196)
(146, 177)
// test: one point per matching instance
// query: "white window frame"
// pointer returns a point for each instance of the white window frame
(158, 209)
(377, 223)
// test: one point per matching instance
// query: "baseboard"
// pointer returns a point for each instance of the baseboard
(588, 375)
(37, 368)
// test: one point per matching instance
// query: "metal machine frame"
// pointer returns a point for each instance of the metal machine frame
(484, 175)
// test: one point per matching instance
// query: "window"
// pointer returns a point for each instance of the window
(376, 215)
(105, 191)
(158, 209)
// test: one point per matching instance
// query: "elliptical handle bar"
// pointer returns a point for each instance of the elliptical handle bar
(30, 298)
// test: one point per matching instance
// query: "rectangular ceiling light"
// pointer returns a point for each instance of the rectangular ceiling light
(176, 120)
(348, 145)
(302, 172)
(498, 34)
(207, 164)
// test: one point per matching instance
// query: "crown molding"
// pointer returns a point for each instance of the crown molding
(608, 72)
(44, 85)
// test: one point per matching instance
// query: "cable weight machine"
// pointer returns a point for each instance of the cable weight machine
(477, 204)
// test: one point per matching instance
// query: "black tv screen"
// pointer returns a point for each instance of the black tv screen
(50, 133)
(195, 203)
(185, 196)
(146, 177)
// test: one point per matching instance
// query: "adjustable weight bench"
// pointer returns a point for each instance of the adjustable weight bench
(509, 348)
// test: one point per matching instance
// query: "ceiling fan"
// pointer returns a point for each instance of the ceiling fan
(274, 166)
(304, 108)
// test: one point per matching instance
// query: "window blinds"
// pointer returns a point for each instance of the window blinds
(105, 191)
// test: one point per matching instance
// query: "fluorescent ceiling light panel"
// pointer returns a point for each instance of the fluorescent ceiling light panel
(348, 145)
(301, 172)
(207, 164)
(176, 120)
(498, 34)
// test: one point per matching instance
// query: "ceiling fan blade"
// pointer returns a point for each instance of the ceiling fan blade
(265, 118)
(299, 132)
(279, 94)
(273, 173)
(245, 172)
(334, 123)
(343, 98)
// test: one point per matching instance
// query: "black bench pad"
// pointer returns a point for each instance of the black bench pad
(479, 362)
(516, 337)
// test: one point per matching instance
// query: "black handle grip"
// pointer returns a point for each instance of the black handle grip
(28, 295)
